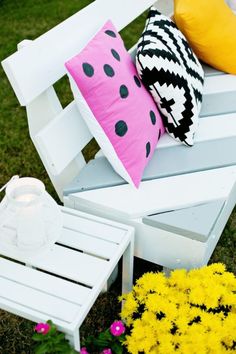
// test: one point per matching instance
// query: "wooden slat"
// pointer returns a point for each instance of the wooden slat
(32, 314)
(69, 129)
(166, 7)
(38, 280)
(98, 173)
(218, 84)
(218, 104)
(100, 230)
(210, 128)
(38, 66)
(195, 222)
(44, 303)
(88, 244)
(160, 195)
(72, 265)
(209, 71)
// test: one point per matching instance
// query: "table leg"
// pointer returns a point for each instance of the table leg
(127, 267)
(74, 339)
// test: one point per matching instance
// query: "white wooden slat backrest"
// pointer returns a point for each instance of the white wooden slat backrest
(38, 64)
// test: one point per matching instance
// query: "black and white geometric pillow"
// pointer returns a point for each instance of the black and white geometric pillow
(172, 73)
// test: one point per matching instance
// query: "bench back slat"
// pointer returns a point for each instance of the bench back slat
(66, 132)
(39, 65)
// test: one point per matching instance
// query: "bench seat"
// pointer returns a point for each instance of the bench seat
(172, 161)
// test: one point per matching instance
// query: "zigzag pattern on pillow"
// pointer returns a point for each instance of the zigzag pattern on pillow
(172, 73)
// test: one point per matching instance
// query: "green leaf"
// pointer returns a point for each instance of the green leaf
(100, 342)
(117, 348)
(60, 337)
(39, 337)
(42, 349)
(62, 348)
(89, 340)
(53, 331)
(106, 335)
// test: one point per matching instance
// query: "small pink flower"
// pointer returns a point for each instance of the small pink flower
(83, 350)
(117, 328)
(42, 328)
(106, 351)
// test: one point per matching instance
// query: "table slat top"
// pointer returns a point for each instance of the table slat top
(66, 279)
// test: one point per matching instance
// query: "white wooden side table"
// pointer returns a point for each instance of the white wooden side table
(63, 283)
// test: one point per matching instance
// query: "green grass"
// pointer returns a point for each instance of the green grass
(29, 19)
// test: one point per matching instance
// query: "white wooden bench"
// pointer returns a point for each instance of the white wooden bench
(194, 187)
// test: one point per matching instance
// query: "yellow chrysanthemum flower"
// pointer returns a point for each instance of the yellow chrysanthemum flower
(189, 312)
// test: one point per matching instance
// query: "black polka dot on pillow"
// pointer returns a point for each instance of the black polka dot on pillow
(110, 33)
(88, 69)
(124, 91)
(137, 81)
(148, 149)
(108, 70)
(153, 117)
(115, 54)
(121, 128)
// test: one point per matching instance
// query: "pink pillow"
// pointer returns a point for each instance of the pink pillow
(117, 108)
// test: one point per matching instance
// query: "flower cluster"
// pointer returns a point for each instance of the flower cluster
(49, 340)
(189, 312)
(108, 342)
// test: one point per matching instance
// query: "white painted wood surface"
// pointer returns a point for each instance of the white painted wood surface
(210, 128)
(101, 230)
(216, 84)
(162, 194)
(68, 127)
(53, 286)
(166, 248)
(88, 243)
(30, 76)
(28, 297)
(74, 265)
(155, 245)
(67, 281)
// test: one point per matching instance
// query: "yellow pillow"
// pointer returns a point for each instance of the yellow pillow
(210, 28)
